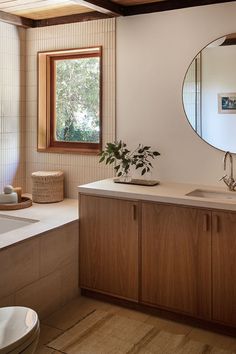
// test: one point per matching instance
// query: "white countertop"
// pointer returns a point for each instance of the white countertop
(49, 216)
(174, 193)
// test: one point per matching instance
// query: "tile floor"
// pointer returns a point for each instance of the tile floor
(80, 307)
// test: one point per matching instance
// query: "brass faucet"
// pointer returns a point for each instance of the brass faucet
(229, 180)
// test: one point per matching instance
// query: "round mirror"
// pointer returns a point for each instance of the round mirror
(209, 93)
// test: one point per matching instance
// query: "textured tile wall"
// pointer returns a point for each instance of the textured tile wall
(39, 275)
(12, 105)
(78, 169)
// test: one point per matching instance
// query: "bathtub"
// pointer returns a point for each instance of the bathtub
(9, 223)
(39, 256)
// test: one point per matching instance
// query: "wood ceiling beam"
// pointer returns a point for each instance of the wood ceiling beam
(104, 6)
(167, 5)
(106, 9)
(16, 20)
(87, 16)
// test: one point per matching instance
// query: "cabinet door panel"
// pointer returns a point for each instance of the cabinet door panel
(224, 267)
(176, 258)
(109, 246)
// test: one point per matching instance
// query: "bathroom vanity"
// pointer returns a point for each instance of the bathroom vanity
(160, 247)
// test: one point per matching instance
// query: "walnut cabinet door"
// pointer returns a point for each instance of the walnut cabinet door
(109, 246)
(224, 267)
(176, 258)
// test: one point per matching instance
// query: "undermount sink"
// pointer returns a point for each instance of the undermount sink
(203, 193)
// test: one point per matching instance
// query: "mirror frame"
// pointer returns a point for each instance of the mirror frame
(182, 96)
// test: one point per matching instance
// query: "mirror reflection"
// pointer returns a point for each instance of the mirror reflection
(209, 93)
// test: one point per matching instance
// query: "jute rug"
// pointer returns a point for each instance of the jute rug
(106, 333)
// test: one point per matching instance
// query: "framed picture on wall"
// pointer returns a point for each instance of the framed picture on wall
(227, 103)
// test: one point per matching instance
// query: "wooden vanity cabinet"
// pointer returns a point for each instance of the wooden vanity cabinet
(176, 258)
(224, 267)
(169, 256)
(109, 246)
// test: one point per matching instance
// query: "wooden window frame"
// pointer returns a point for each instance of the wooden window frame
(47, 101)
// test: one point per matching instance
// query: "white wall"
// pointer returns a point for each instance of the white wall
(153, 54)
(218, 76)
(12, 106)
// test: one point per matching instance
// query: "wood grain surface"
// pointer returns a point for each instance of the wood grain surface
(176, 258)
(109, 246)
(224, 267)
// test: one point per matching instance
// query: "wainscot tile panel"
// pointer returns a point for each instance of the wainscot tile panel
(78, 169)
(12, 105)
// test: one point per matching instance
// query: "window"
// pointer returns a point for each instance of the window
(69, 107)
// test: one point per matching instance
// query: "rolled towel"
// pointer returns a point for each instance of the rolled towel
(8, 198)
(18, 190)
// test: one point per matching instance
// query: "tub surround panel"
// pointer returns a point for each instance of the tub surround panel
(41, 295)
(7, 301)
(78, 168)
(40, 261)
(49, 293)
(69, 279)
(20, 266)
(54, 254)
(48, 217)
(39, 276)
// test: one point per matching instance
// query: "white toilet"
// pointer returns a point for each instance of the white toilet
(19, 330)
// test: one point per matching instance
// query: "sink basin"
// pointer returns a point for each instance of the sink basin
(203, 193)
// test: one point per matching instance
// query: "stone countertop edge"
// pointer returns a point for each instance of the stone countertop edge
(48, 217)
(166, 192)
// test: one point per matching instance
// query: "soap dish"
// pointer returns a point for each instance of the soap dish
(139, 182)
(25, 203)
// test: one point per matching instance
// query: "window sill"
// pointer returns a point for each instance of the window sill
(60, 150)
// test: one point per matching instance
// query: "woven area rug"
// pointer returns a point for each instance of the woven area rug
(106, 333)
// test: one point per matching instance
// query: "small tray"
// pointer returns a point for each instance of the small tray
(25, 203)
(139, 182)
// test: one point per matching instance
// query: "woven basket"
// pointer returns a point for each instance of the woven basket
(47, 186)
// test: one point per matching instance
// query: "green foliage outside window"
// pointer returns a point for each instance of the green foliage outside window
(78, 100)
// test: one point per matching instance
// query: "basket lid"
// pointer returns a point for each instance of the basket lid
(47, 174)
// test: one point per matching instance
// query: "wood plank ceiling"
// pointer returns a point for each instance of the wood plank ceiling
(41, 9)
(38, 13)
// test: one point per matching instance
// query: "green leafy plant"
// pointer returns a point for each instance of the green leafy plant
(123, 158)
(77, 100)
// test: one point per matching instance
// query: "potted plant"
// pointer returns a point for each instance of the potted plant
(123, 158)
